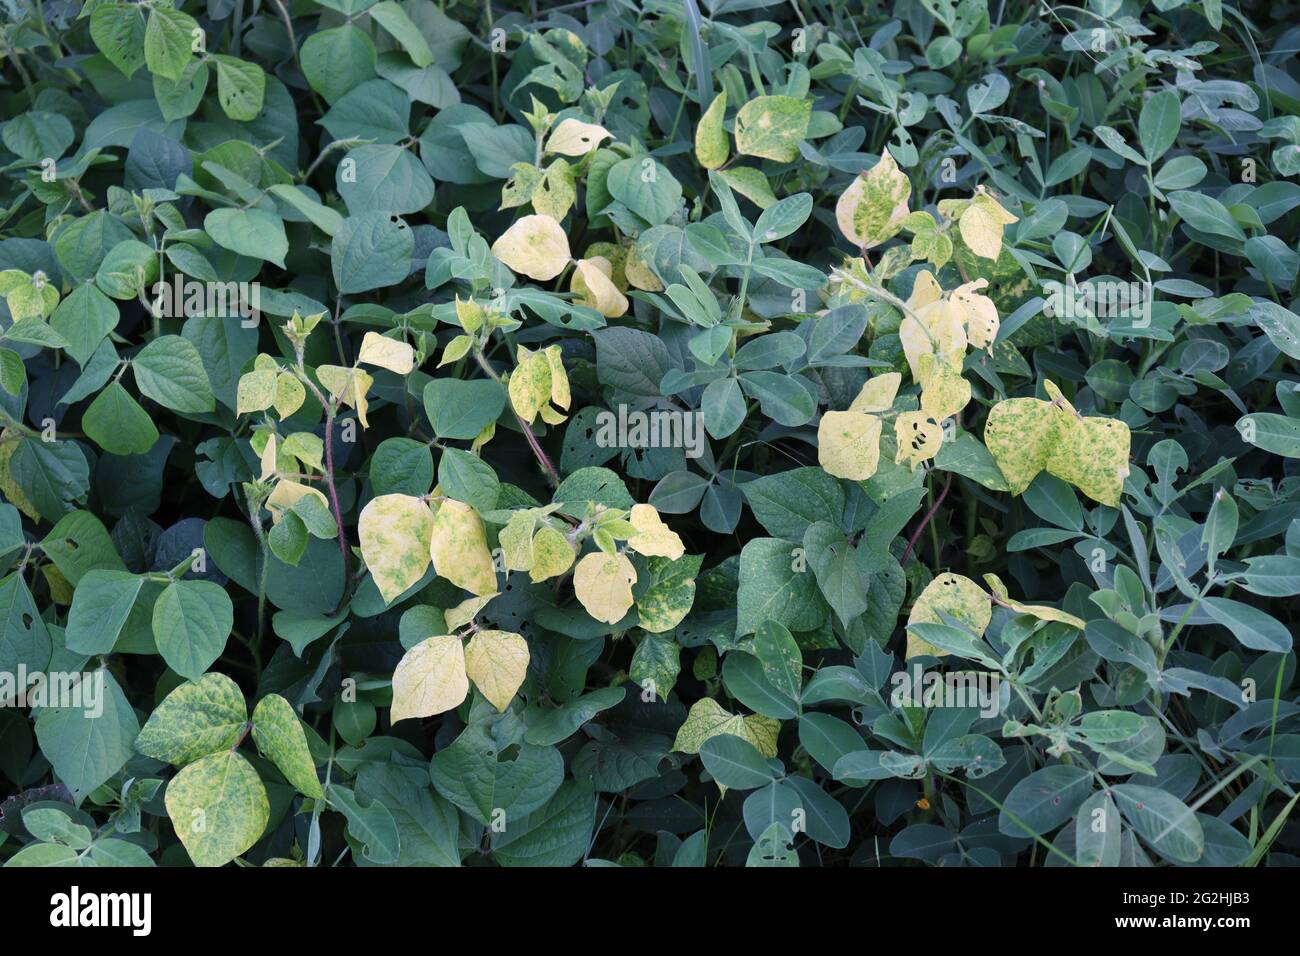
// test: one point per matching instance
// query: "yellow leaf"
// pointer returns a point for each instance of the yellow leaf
(285, 495)
(638, 272)
(653, 537)
(464, 612)
(387, 353)
(560, 395)
(878, 394)
(980, 315)
(981, 225)
(530, 384)
(497, 662)
(711, 143)
(848, 444)
(12, 491)
(459, 548)
(347, 386)
(945, 392)
(1040, 611)
(925, 291)
(603, 583)
(955, 595)
(592, 280)
(572, 137)
(268, 458)
(872, 209)
(395, 532)
(535, 246)
(919, 438)
(430, 679)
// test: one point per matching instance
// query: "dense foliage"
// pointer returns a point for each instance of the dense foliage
(649, 433)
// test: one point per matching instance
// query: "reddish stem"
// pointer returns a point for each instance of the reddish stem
(911, 542)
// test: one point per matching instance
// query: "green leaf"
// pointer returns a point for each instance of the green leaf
(167, 42)
(735, 763)
(371, 250)
(191, 622)
(101, 605)
(118, 424)
(241, 87)
(776, 585)
(249, 232)
(1158, 124)
(170, 371)
(88, 745)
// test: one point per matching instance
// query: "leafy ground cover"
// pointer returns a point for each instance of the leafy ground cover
(665, 433)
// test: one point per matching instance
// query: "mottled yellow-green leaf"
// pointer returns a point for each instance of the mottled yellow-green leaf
(1040, 611)
(653, 537)
(919, 437)
(519, 188)
(981, 225)
(573, 137)
(535, 246)
(592, 280)
(10, 439)
(289, 394)
(711, 144)
(750, 183)
(1092, 454)
(878, 394)
(668, 599)
(1020, 434)
(497, 662)
(936, 330)
(848, 444)
(218, 807)
(955, 595)
(306, 448)
(1027, 435)
(516, 540)
(278, 733)
(556, 193)
(872, 209)
(552, 554)
(530, 384)
(387, 353)
(638, 272)
(772, 126)
(459, 548)
(603, 583)
(946, 391)
(707, 718)
(430, 678)
(196, 719)
(256, 391)
(395, 532)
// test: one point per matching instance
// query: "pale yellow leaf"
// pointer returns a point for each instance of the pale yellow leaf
(535, 246)
(603, 583)
(573, 137)
(387, 353)
(459, 548)
(430, 679)
(497, 662)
